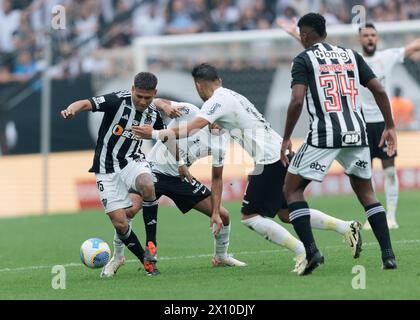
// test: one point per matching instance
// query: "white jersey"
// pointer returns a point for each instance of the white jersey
(382, 63)
(245, 124)
(200, 145)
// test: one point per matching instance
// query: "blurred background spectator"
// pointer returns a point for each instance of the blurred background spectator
(93, 25)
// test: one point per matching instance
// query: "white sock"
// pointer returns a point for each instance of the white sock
(221, 243)
(119, 245)
(321, 220)
(391, 191)
(274, 232)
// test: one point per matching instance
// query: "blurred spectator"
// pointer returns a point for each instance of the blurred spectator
(403, 110)
(119, 33)
(25, 67)
(262, 11)
(200, 14)
(179, 18)
(24, 37)
(87, 25)
(288, 14)
(224, 16)
(148, 20)
(9, 24)
(93, 25)
(248, 19)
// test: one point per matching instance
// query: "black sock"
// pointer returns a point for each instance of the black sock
(377, 219)
(150, 210)
(132, 243)
(300, 217)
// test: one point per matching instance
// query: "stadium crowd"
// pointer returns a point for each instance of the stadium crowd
(97, 24)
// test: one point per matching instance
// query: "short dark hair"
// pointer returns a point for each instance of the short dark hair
(314, 21)
(145, 81)
(367, 25)
(205, 71)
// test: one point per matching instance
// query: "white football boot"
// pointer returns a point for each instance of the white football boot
(392, 224)
(300, 262)
(112, 267)
(229, 261)
(354, 239)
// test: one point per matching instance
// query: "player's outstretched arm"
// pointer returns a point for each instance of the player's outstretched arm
(192, 127)
(216, 199)
(293, 113)
(389, 135)
(289, 27)
(166, 107)
(75, 108)
(412, 48)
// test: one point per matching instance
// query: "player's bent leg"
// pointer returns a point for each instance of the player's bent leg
(274, 232)
(118, 258)
(145, 185)
(391, 186)
(299, 216)
(350, 230)
(377, 218)
(125, 234)
(221, 241)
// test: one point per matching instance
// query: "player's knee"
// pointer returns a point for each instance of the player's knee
(121, 226)
(146, 186)
(390, 174)
(224, 215)
(284, 216)
(132, 211)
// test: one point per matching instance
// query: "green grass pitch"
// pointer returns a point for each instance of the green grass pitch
(31, 246)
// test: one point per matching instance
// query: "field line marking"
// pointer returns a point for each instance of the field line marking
(77, 264)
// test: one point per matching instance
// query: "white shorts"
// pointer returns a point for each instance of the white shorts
(313, 163)
(113, 187)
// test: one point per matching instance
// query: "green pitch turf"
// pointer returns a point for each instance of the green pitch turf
(30, 247)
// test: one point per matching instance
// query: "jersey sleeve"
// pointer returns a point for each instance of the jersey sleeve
(159, 123)
(299, 71)
(394, 56)
(213, 110)
(106, 103)
(365, 72)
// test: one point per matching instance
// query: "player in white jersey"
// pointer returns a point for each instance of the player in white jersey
(264, 195)
(173, 180)
(382, 62)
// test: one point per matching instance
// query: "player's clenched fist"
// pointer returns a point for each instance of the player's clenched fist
(68, 113)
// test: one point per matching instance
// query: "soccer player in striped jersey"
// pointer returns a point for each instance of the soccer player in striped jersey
(170, 165)
(264, 197)
(328, 78)
(118, 163)
(382, 63)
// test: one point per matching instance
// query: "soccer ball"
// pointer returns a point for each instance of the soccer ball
(95, 253)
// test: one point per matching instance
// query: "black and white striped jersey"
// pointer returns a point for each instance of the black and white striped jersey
(333, 76)
(117, 145)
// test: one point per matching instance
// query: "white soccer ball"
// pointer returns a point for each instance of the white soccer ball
(95, 253)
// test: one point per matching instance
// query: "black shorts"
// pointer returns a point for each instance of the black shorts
(374, 131)
(264, 194)
(185, 195)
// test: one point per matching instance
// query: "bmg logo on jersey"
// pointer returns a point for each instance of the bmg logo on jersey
(351, 138)
(318, 167)
(321, 54)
